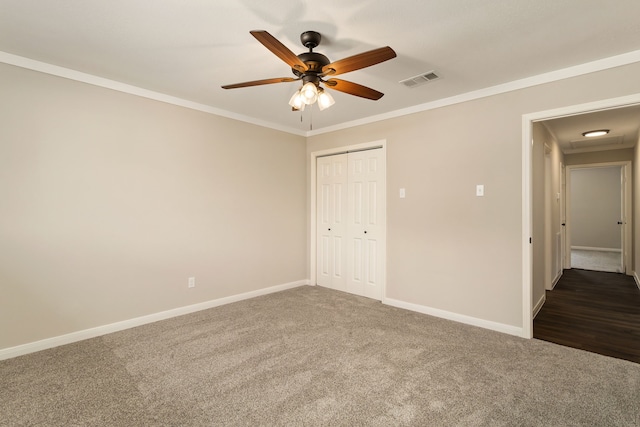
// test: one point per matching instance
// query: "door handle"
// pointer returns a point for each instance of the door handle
(563, 224)
(619, 222)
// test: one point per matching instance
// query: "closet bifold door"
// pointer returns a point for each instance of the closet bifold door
(350, 218)
(366, 218)
(331, 203)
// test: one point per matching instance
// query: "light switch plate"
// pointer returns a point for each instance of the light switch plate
(479, 190)
(403, 193)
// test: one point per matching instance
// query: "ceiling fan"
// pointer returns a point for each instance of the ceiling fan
(312, 68)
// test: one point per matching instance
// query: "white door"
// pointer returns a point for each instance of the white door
(331, 193)
(351, 207)
(366, 234)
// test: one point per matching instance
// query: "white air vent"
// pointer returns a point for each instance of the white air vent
(420, 79)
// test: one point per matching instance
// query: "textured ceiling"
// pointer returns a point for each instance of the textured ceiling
(188, 49)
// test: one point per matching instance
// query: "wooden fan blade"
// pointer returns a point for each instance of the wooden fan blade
(260, 82)
(280, 50)
(359, 61)
(354, 89)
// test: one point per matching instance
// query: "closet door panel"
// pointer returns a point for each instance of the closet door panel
(331, 214)
(366, 226)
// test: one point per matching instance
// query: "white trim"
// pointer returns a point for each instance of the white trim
(564, 73)
(588, 107)
(539, 305)
(637, 279)
(527, 228)
(47, 343)
(313, 255)
(556, 280)
(590, 248)
(460, 318)
(527, 220)
(70, 74)
(312, 214)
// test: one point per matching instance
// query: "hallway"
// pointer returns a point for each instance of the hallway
(593, 311)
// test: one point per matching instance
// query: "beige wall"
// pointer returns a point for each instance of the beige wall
(109, 202)
(636, 210)
(447, 248)
(557, 210)
(540, 138)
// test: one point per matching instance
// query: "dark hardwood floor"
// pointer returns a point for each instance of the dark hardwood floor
(593, 311)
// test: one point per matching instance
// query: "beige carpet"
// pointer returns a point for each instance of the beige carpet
(312, 356)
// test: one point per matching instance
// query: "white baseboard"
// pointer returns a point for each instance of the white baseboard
(44, 344)
(539, 304)
(637, 279)
(487, 324)
(591, 248)
(556, 280)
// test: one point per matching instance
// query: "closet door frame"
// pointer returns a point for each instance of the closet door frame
(380, 144)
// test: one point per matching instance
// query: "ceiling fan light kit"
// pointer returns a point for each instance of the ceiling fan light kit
(309, 93)
(311, 68)
(296, 102)
(325, 100)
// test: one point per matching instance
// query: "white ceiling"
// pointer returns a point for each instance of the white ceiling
(188, 49)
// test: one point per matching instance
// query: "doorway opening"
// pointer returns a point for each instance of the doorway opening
(598, 212)
(528, 121)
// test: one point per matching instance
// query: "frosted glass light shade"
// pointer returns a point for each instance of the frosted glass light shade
(309, 93)
(297, 102)
(325, 100)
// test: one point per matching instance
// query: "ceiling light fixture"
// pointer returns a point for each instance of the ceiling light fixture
(325, 100)
(308, 94)
(311, 67)
(592, 133)
(296, 102)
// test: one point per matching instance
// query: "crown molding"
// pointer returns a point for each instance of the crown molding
(565, 73)
(68, 73)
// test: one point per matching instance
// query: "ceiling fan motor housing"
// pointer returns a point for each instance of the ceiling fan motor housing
(314, 61)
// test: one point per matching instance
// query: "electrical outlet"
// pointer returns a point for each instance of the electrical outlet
(192, 282)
